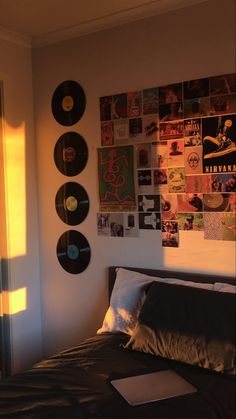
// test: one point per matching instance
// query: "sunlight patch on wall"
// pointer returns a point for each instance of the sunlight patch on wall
(15, 189)
(13, 302)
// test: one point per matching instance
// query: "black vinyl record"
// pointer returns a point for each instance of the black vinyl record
(73, 252)
(72, 203)
(68, 103)
(71, 153)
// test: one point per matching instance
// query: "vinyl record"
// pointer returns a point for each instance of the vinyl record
(68, 103)
(73, 252)
(72, 203)
(71, 153)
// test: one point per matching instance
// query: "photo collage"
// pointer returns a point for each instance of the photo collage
(167, 160)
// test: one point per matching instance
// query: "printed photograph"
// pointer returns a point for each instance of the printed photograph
(150, 101)
(176, 179)
(190, 202)
(220, 226)
(160, 180)
(198, 184)
(219, 144)
(169, 208)
(175, 153)
(149, 203)
(171, 111)
(193, 160)
(103, 227)
(222, 104)
(159, 154)
(116, 225)
(219, 202)
(143, 154)
(134, 104)
(191, 221)
(150, 127)
(105, 108)
(223, 84)
(121, 131)
(196, 88)
(192, 132)
(107, 134)
(136, 128)
(197, 107)
(119, 106)
(170, 234)
(171, 129)
(223, 182)
(171, 93)
(145, 184)
(131, 225)
(149, 221)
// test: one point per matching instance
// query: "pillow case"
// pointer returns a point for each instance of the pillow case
(223, 287)
(191, 325)
(128, 296)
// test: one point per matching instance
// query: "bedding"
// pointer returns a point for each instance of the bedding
(76, 383)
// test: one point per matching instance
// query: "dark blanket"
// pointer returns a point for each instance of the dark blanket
(76, 384)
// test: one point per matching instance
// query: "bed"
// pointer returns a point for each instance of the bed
(75, 383)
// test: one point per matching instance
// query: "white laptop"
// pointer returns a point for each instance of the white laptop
(152, 387)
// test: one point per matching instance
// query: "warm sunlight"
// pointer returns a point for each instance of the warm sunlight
(13, 302)
(15, 190)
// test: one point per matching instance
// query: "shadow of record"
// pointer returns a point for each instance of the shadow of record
(71, 153)
(68, 103)
(72, 203)
(73, 252)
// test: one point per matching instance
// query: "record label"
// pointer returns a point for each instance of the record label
(71, 153)
(72, 203)
(68, 103)
(73, 252)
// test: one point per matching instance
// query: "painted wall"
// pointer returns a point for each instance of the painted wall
(19, 214)
(186, 44)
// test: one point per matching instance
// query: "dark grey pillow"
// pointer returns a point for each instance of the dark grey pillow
(187, 324)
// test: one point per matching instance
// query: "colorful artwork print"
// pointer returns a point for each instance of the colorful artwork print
(175, 153)
(219, 144)
(143, 153)
(171, 93)
(219, 202)
(105, 108)
(223, 84)
(149, 221)
(222, 104)
(131, 225)
(198, 183)
(220, 226)
(170, 234)
(190, 202)
(150, 127)
(134, 104)
(171, 129)
(171, 111)
(169, 207)
(121, 131)
(116, 225)
(193, 160)
(103, 225)
(191, 221)
(160, 180)
(194, 108)
(223, 183)
(176, 179)
(196, 88)
(119, 106)
(107, 133)
(192, 132)
(159, 155)
(150, 101)
(116, 179)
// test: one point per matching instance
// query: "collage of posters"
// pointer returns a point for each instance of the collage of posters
(168, 158)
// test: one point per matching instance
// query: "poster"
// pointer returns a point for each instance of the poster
(116, 179)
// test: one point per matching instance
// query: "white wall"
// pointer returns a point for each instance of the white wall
(20, 254)
(194, 42)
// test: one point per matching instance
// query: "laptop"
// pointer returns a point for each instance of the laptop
(152, 387)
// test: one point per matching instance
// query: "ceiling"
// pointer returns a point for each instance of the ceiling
(48, 21)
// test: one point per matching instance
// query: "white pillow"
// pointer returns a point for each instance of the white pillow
(128, 296)
(223, 287)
